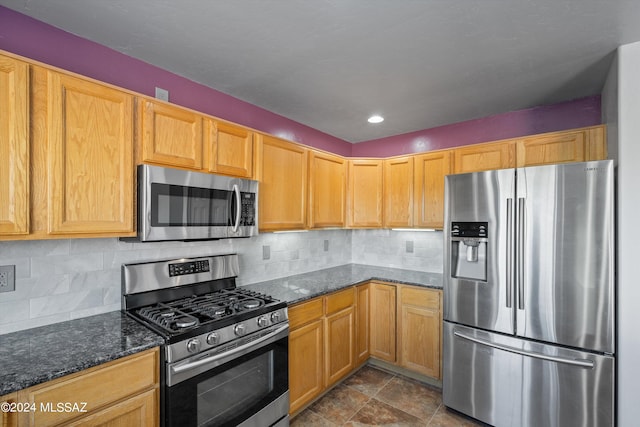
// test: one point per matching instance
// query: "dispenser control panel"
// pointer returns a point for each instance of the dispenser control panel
(469, 229)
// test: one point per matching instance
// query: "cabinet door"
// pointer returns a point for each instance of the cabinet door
(430, 170)
(362, 323)
(576, 145)
(306, 364)
(140, 410)
(365, 193)
(475, 158)
(170, 135)
(398, 192)
(14, 147)
(339, 345)
(8, 419)
(327, 190)
(90, 158)
(383, 321)
(282, 172)
(420, 328)
(230, 149)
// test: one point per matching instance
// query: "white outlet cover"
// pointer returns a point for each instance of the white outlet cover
(162, 94)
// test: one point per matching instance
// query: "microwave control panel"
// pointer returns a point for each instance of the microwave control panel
(248, 209)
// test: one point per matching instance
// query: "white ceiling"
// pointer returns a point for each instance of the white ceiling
(331, 63)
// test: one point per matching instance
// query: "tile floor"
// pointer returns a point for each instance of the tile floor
(373, 397)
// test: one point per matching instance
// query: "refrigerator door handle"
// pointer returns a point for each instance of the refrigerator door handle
(582, 363)
(509, 252)
(520, 254)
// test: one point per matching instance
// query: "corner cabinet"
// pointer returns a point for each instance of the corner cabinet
(14, 147)
(365, 195)
(228, 149)
(282, 171)
(90, 158)
(327, 190)
(169, 135)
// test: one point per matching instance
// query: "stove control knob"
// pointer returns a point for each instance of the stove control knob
(240, 329)
(275, 317)
(262, 321)
(193, 345)
(213, 338)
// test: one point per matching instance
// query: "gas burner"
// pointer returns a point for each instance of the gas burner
(251, 304)
(186, 321)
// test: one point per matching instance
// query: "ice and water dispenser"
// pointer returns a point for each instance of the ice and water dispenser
(469, 250)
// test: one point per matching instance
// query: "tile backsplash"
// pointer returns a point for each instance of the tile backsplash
(58, 280)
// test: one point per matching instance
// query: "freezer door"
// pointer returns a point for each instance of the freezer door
(565, 254)
(478, 272)
(506, 381)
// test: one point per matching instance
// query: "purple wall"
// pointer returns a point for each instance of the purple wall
(34, 39)
(550, 118)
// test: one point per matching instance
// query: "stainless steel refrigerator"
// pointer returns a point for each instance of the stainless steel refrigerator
(529, 295)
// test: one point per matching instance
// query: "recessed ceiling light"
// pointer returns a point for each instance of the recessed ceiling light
(375, 119)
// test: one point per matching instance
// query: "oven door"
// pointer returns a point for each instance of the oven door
(244, 386)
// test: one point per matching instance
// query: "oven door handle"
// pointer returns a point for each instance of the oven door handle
(239, 351)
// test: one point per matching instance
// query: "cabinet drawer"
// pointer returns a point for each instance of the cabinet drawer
(340, 300)
(427, 298)
(97, 387)
(305, 312)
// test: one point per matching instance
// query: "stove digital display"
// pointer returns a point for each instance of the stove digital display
(190, 267)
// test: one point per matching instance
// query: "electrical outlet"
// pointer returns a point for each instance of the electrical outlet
(326, 245)
(7, 278)
(266, 252)
(409, 244)
(162, 94)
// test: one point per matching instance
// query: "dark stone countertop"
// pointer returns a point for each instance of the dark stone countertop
(301, 287)
(37, 355)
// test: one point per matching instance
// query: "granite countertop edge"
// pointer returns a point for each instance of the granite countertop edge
(38, 355)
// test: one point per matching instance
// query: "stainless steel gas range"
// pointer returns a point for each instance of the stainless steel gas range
(225, 357)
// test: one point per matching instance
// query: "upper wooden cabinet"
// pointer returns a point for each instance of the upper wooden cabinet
(282, 171)
(90, 157)
(169, 135)
(481, 157)
(398, 192)
(428, 201)
(365, 195)
(228, 149)
(576, 145)
(327, 190)
(14, 147)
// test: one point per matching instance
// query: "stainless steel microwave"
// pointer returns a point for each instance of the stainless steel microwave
(175, 204)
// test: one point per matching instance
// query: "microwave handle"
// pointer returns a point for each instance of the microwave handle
(236, 191)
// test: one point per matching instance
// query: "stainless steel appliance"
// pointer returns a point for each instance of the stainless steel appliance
(529, 304)
(175, 204)
(225, 358)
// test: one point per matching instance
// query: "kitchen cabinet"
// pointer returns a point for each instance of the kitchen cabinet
(575, 145)
(481, 157)
(89, 158)
(169, 135)
(228, 149)
(306, 353)
(14, 149)
(420, 330)
(121, 392)
(363, 317)
(365, 195)
(282, 172)
(327, 190)
(430, 170)
(398, 192)
(383, 321)
(8, 419)
(339, 335)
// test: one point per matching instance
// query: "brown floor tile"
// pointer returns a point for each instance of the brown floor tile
(447, 418)
(311, 419)
(377, 413)
(412, 397)
(340, 404)
(368, 380)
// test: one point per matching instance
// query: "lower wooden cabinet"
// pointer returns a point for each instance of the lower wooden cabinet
(363, 319)
(8, 418)
(383, 321)
(119, 393)
(339, 335)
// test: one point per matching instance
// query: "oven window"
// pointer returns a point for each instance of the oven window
(222, 397)
(175, 205)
